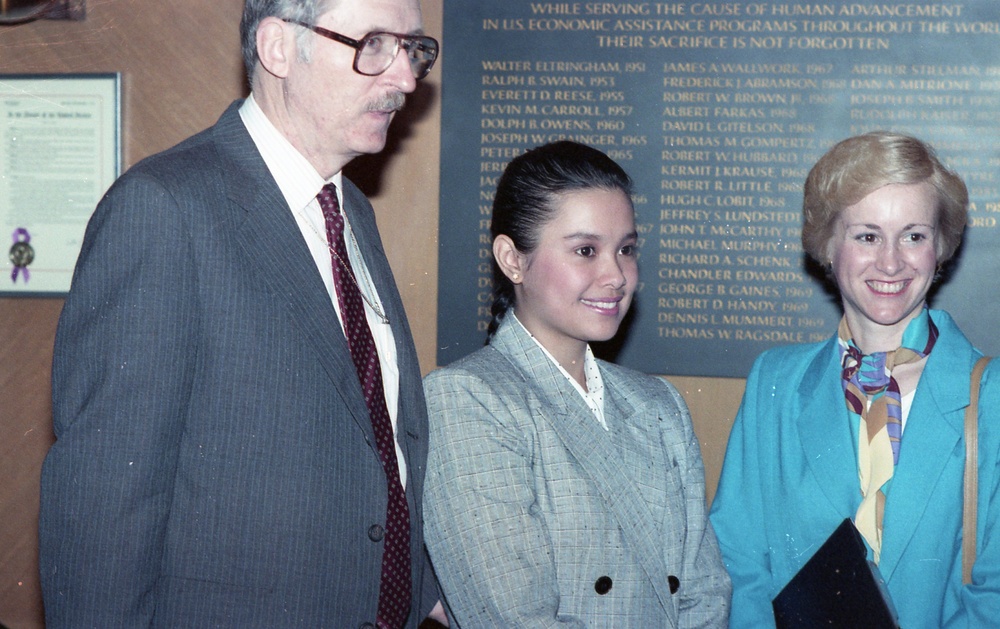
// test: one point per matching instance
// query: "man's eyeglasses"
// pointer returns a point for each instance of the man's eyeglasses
(375, 52)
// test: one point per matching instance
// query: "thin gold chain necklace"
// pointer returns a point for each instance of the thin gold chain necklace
(351, 275)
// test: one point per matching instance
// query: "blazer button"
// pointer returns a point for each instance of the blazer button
(603, 585)
(366, 625)
(674, 583)
(376, 532)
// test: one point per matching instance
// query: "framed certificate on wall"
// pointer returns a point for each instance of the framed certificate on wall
(60, 150)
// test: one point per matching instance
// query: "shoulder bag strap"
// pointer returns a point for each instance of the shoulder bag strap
(971, 483)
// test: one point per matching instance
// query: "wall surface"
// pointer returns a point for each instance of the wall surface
(180, 66)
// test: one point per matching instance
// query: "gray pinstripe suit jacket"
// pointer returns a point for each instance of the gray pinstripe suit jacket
(529, 502)
(215, 463)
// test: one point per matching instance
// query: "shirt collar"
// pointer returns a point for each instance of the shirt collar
(593, 395)
(296, 177)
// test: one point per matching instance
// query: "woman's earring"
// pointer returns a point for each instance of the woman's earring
(515, 276)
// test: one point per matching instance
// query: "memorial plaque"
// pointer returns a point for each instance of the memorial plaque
(717, 110)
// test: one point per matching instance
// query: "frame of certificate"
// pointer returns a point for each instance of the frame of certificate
(60, 150)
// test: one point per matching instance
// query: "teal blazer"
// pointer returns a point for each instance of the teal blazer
(791, 475)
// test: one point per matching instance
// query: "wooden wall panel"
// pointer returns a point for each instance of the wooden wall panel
(27, 329)
(181, 67)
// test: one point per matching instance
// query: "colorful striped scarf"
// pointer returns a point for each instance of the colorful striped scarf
(873, 395)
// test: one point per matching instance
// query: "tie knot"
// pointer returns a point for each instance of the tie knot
(327, 198)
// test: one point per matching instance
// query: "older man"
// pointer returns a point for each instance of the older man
(241, 433)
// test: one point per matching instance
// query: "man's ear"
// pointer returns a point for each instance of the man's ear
(276, 45)
(509, 259)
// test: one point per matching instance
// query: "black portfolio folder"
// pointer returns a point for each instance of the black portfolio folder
(837, 588)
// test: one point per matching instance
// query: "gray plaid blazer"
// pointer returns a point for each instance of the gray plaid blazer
(535, 516)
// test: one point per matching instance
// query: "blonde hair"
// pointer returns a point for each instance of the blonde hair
(854, 168)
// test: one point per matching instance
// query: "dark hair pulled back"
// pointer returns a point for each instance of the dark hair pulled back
(526, 198)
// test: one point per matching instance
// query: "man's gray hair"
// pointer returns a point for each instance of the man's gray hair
(256, 10)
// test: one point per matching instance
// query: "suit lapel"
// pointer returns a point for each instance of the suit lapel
(934, 430)
(628, 505)
(274, 247)
(410, 417)
(824, 431)
(365, 229)
(594, 449)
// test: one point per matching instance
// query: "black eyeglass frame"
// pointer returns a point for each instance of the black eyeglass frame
(403, 41)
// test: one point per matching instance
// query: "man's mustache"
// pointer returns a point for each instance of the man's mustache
(389, 102)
